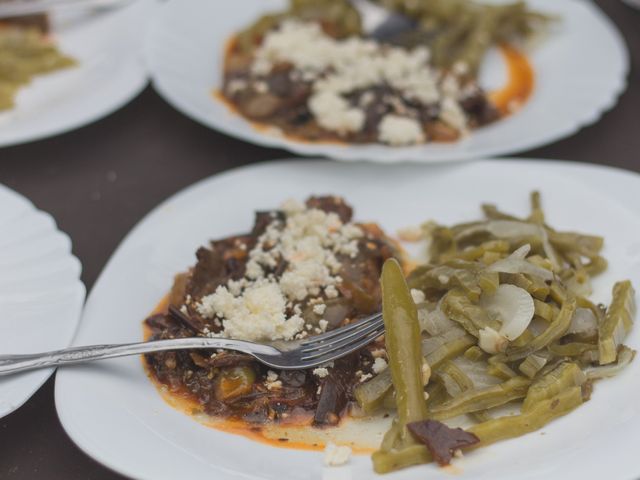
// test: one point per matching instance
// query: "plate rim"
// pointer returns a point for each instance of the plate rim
(77, 299)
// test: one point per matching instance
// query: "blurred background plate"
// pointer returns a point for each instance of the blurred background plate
(581, 70)
(114, 413)
(110, 73)
(41, 295)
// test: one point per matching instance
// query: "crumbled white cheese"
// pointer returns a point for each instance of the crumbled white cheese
(334, 113)
(337, 67)
(257, 314)
(323, 324)
(450, 86)
(321, 372)
(379, 353)
(460, 67)
(292, 205)
(452, 114)
(379, 365)
(417, 295)
(331, 291)
(366, 98)
(272, 382)
(363, 378)
(336, 455)
(350, 249)
(274, 385)
(236, 85)
(319, 308)
(236, 286)
(261, 307)
(397, 131)
(261, 87)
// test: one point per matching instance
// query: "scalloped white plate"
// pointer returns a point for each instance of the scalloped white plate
(41, 294)
(110, 73)
(114, 413)
(581, 70)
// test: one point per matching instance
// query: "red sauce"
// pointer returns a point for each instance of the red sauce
(520, 82)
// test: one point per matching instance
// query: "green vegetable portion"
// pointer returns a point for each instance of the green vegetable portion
(617, 322)
(402, 339)
(461, 31)
(564, 343)
(24, 54)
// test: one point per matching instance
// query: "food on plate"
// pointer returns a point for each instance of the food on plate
(502, 318)
(313, 74)
(302, 270)
(493, 337)
(463, 30)
(26, 52)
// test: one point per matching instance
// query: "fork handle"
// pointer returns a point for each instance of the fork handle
(10, 364)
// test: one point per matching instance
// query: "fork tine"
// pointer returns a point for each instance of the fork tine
(341, 331)
(341, 340)
(327, 356)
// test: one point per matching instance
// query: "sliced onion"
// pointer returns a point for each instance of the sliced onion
(584, 322)
(477, 372)
(431, 344)
(435, 322)
(582, 289)
(513, 306)
(549, 251)
(502, 229)
(491, 341)
(521, 253)
(515, 263)
(625, 356)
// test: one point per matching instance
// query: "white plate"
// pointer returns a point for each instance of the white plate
(114, 413)
(580, 71)
(110, 72)
(41, 294)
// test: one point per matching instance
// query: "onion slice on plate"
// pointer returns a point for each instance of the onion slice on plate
(584, 322)
(514, 308)
(501, 229)
(517, 263)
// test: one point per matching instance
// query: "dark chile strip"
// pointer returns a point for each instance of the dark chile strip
(186, 320)
(441, 440)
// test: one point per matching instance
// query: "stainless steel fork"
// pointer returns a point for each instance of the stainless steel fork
(311, 352)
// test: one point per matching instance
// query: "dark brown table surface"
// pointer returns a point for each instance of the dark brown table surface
(101, 179)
